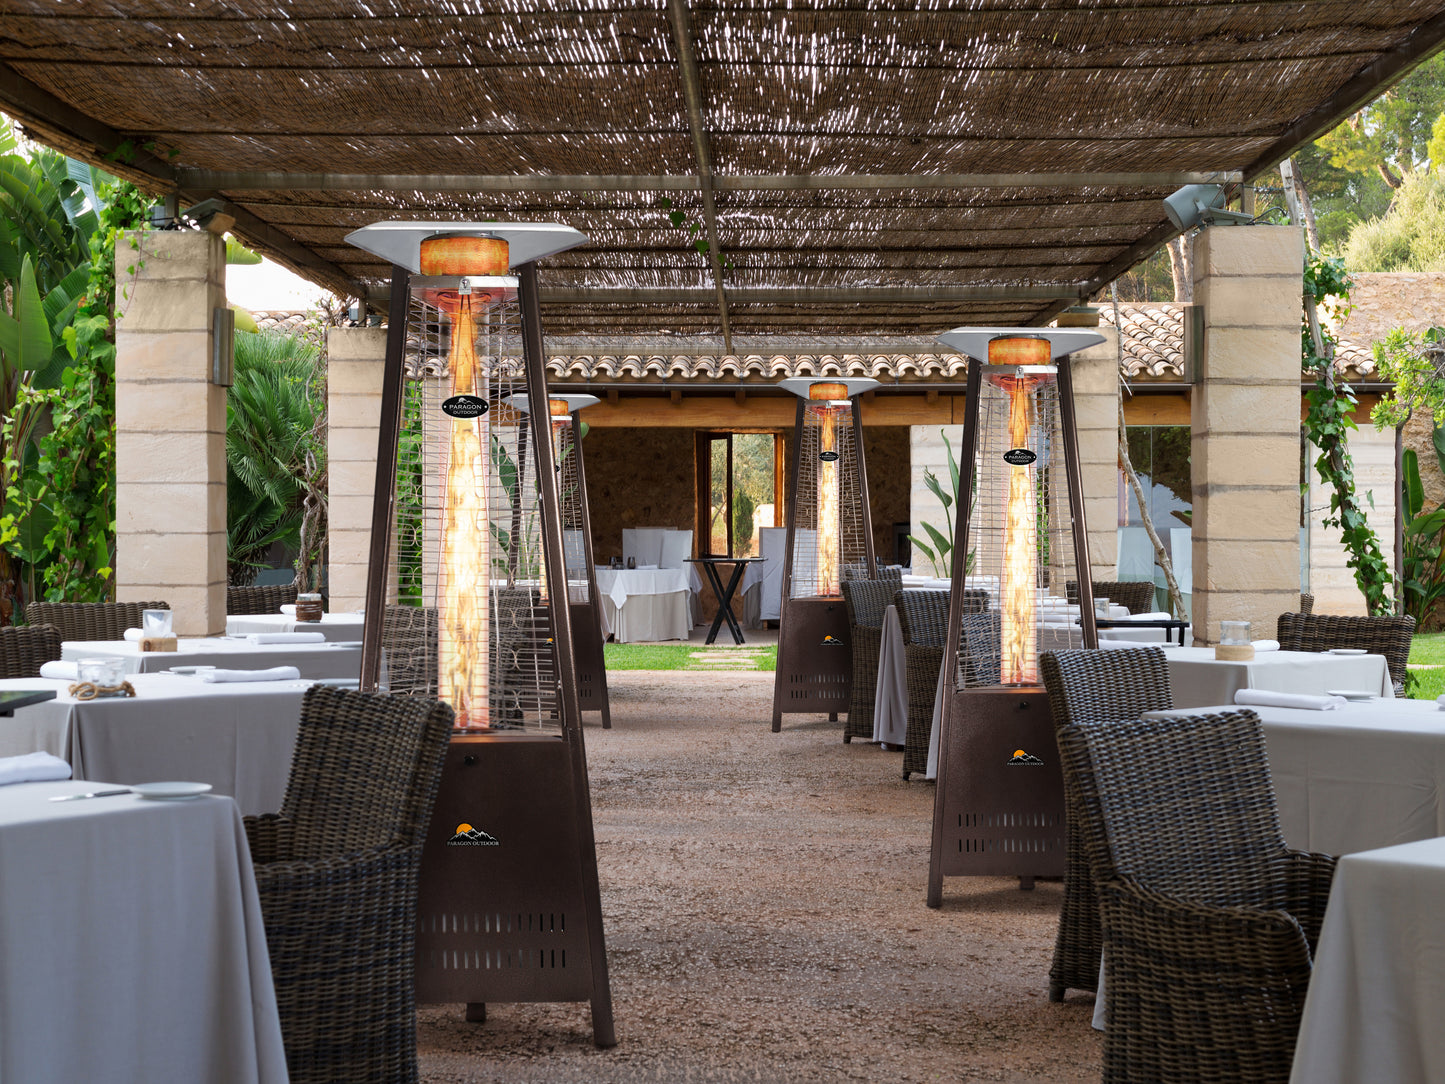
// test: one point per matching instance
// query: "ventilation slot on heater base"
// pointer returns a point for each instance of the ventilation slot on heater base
(815, 663)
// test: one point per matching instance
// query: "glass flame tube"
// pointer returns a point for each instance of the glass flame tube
(464, 581)
(825, 400)
(1018, 664)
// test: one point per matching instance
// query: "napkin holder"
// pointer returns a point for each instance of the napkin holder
(1234, 652)
(159, 643)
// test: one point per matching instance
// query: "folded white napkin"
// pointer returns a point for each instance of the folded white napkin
(60, 671)
(289, 609)
(276, 673)
(1264, 698)
(33, 768)
(285, 638)
(1160, 615)
(646, 568)
(133, 634)
(1265, 645)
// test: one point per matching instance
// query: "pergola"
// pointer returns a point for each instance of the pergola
(836, 170)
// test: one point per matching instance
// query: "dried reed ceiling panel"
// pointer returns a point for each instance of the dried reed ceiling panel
(1016, 148)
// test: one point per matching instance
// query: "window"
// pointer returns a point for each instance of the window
(739, 490)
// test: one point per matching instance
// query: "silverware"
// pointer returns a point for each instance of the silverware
(91, 794)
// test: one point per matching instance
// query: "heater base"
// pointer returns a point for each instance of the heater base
(591, 665)
(815, 661)
(501, 908)
(999, 808)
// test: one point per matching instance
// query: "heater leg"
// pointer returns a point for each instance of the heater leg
(604, 1035)
(1026, 884)
(476, 1012)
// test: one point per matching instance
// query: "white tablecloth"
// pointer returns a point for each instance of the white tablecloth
(131, 943)
(890, 701)
(326, 660)
(346, 627)
(1197, 678)
(644, 604)
(1377, 994)
(237, 737)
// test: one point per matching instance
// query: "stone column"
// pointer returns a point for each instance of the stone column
(1096, 409)
(1331, 581)
(1245, 414)
(355, 358)
(171, 427)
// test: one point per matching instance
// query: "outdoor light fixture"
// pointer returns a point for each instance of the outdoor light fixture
(467, 533)
(1202, 205)
(830, 536)
(999, 804)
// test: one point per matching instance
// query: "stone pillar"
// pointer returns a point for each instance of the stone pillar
(1096, 409)
(355, 358)
(1331, 581)
(1245, 414)
(171, 427)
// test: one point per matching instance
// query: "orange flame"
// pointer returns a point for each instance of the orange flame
(1019, 662)
(828, 511)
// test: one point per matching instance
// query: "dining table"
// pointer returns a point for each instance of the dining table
(328, 659)
(238, 736)
(644, 604)
(346, 627)
(724, 591)
(131, 942)
(1196, 677)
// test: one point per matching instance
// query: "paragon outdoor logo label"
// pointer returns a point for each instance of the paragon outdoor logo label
(828, 457)
(1020, 757)
(467, 836)
(832, 641)
(1019, 457)
(465, 407)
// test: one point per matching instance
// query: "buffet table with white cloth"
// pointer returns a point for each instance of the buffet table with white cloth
(328, 659)
(238, 737)
(340, 626)
(1377, 993)
(1197, 678)
(131, 942)
(644, 604)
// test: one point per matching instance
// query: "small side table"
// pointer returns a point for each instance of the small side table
(1168, 624)
(724, 594)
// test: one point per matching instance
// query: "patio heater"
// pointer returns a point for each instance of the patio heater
(830, 536)
(468, 521)
(584, 601)
(999, 804)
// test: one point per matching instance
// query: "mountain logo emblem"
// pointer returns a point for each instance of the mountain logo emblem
(1020, 757)
(832, 641)
(467, 836)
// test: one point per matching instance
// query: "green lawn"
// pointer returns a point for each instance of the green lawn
(1428, 649)
(681, 657)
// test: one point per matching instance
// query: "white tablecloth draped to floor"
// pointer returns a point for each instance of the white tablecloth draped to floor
(325, 660)
(340, 626)
(237, 737)
(131, 936)
(1197, 678)
(644, 604)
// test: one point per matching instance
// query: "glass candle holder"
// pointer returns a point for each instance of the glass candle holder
(156, 623)
(308, 607)
(1234, 643)
(104, 672)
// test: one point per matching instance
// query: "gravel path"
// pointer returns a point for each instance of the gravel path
(763, 899)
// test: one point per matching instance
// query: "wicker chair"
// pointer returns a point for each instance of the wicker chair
(24, 647)
(889, 574)
(923, 616)
(1306, 603)
(1387, 636)
(1136, 595)
(1210, 922)
(259, 600)
(336, 871)
(409, 643)
(90, 620)
(866, 601)
(1087, 687)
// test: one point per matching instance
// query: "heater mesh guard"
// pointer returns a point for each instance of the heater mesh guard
(828, 473)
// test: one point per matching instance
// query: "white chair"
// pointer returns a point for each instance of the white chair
(772, 547)
(676, 548)
(574, 550)
(643, 545)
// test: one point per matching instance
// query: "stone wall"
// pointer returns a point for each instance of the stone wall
(886, 451)
(638, 478)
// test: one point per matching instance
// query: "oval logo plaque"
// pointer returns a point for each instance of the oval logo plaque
(828, 457)
(1019, 457)
(465, 407)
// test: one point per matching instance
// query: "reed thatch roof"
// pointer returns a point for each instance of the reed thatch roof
(854, 169)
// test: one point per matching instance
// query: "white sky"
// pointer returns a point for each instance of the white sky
(268, 286)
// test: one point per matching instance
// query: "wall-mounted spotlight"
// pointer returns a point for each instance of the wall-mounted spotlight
(1202, 205)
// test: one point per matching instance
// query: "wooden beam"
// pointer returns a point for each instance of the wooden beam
(758, 412)
(1157, 409)
(1068, 292)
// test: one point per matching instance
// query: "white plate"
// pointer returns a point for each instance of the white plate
(188, 669)
(171, 792)
(1352, 694)
(1347, 651)
(343, 643)
(338, 683)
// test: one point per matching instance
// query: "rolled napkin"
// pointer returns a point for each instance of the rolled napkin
(133, 634)
(1265, 698)
(33, 768)
(289, 609)
(1265, 645)
(276, 673)
(285, 638)
(60, 671)
(1160, 615)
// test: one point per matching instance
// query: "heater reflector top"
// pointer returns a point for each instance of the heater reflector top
(400, 242)
(799, 385)
(974, 341)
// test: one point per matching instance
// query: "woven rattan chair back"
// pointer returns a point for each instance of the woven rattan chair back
(365, 771)
(923, 616)
(1306, 603)
(1136, 595)
(867, 601)
(1090, 686)
(1387, 636)
(409, 643)
(890, 574)
(259, 600)
(24, 647)
(90, 620)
